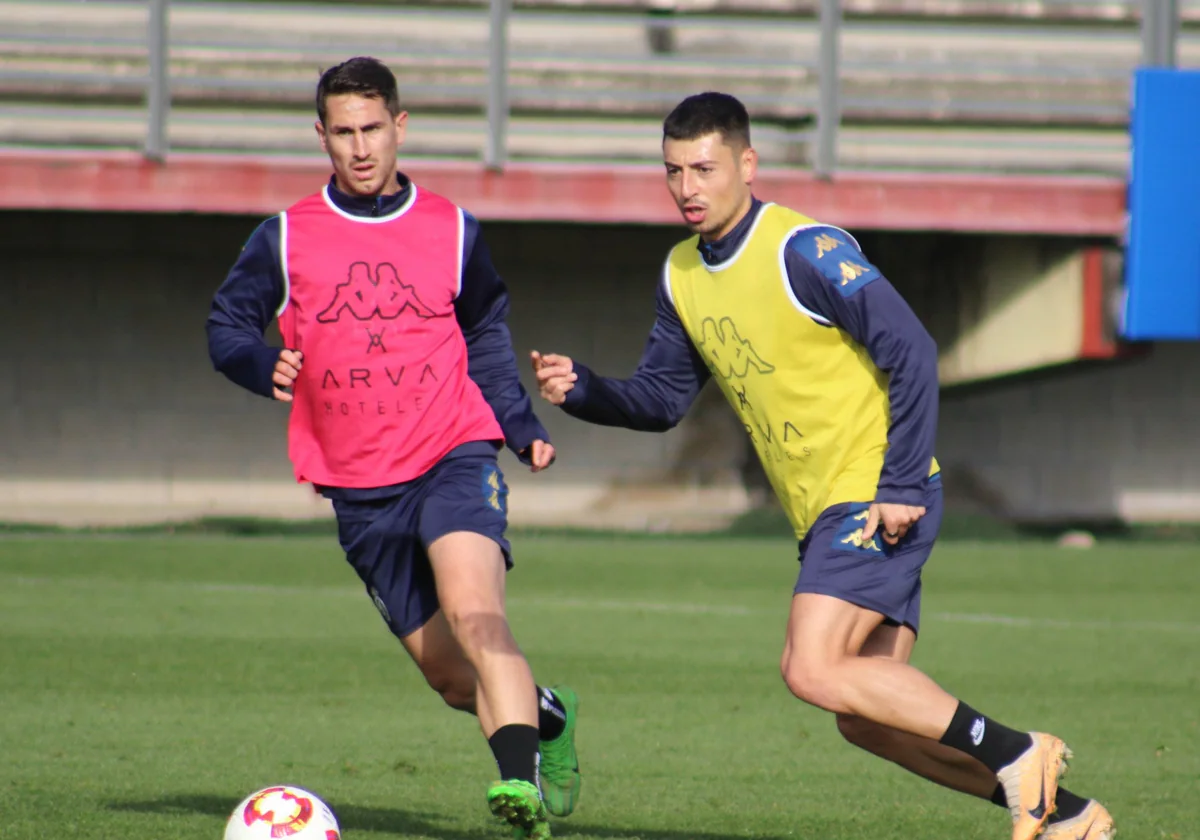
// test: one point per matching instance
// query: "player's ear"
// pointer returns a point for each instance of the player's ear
(749, 164)
(401, 127)
(320, 127)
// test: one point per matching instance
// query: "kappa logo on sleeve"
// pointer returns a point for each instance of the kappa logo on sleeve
(836, 257)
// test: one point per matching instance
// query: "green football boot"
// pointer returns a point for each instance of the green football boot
(520, 805)
(559, 770)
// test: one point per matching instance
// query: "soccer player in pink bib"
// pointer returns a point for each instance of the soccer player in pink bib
(403, 386)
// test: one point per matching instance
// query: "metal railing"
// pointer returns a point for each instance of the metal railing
(158, 91)
(778, 77)
(1160, 32)
(829, 112)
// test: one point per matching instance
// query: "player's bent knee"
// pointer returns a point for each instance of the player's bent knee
(455, 685)
(481, 633)
(457, 696)
(811, 683)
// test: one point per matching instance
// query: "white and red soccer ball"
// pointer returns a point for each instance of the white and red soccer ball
(282, 812)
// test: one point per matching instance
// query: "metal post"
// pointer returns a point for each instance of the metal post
(496, 152)
(828, 108)
(158, 89)
(1160, 32)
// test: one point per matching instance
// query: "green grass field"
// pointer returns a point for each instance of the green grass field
(151, 682)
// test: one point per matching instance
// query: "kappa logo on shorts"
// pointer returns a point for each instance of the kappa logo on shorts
(850, 535)
(494, 490)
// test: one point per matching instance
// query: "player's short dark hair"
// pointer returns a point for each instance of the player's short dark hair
(704, 113)
(365, 76)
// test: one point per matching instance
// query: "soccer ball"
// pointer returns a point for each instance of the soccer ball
(282, 812)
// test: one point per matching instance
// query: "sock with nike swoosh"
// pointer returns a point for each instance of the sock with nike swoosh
(1069, 806)
(991, 743)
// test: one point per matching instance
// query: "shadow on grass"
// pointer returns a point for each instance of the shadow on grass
(354, 819)
(351, 818)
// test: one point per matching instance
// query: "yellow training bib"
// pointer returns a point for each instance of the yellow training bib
(811, 400)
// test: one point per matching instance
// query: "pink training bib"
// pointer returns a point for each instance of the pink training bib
(383, 393)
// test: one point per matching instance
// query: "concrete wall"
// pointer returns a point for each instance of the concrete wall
(109, 409)
(1112, 441)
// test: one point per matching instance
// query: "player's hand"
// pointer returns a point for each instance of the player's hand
(287, 368)
(893, 521)
(541, 455)
(555, 376)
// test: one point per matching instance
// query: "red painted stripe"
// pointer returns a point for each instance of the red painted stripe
(1095, 344)
(196, 183)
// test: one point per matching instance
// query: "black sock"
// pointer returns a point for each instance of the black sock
(516, 749)
(1068, 806)
(552, 717)
(991, 743)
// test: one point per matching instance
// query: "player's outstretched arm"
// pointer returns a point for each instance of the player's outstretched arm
(481, 309)
(241, 310)
(657, 396)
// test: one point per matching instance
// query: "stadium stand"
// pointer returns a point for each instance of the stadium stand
(998, 85)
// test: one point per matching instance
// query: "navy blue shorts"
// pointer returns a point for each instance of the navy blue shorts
(385, 539)
(876, 576)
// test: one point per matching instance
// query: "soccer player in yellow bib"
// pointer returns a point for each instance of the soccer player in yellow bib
(835, 381)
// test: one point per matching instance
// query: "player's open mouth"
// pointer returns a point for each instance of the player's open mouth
(693, 215)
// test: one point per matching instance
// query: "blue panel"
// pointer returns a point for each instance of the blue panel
(1162, 261)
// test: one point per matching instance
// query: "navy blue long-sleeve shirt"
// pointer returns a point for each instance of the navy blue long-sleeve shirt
(671, 372)
(253, 293)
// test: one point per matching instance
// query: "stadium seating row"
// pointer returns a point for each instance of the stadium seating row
(938, 88)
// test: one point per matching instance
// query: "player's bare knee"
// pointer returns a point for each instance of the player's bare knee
(454, 695)
(455, 685)
(457, 696)
(811, 682)
(480, 633)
